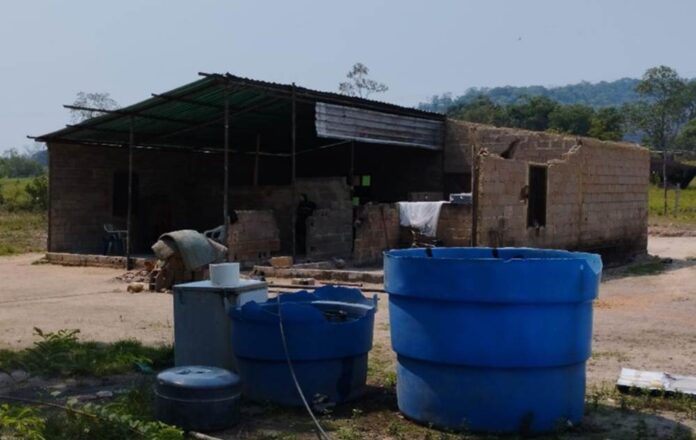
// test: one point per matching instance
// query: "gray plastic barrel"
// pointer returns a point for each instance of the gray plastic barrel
(201, 326)
(197, 398)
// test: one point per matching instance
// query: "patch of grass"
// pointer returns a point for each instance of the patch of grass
(686, 213)
(649, 268)
(22, 232)
(642, 401)
(63, 354)
(609, 355)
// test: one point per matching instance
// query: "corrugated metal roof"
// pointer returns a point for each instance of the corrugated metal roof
(190, 116)
(344, 122)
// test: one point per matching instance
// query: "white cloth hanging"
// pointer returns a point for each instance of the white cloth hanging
(420, 215)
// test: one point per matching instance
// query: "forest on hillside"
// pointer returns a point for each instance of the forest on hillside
(596, 95)
(658, 110)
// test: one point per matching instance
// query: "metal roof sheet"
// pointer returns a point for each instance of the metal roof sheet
(189, 116)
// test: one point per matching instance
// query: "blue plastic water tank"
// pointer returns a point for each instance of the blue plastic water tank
(491, 340)
(328, 334)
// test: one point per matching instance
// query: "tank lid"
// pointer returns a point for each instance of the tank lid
(197, 381)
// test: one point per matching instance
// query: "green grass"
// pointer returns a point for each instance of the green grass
(14, 190)
(22, 228)
(650, 268)
(63, 354)
(22, 232)
(687, 204)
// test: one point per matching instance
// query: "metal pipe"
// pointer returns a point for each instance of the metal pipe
(129, 221)
(293, 172)
(226, 190)
(256, 159)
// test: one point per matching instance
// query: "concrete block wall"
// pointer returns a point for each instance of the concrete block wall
(326, 192)
(330, 233)
(596, 200)
(254, 237)
(454, 225)
(377, 230)
(527, 145)
(81, 188)
(186, 185)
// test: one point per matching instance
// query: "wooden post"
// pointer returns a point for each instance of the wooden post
(129, 214)
(256, 159)
(475, 165)
(664, 178)
(677, 193)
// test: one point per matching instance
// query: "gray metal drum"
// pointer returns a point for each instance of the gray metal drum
(197, 398)
(201, 326)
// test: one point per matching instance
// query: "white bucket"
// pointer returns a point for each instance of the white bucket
(224, 274)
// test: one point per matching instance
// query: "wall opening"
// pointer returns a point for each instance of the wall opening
(536, 207)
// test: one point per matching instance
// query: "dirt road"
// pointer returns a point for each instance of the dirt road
(643, 322)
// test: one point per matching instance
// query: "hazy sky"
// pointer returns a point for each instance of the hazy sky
(51, 49)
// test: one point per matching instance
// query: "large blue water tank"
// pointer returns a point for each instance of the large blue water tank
(328, 335)
(491, 340)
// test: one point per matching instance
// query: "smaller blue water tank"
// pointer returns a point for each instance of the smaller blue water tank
(197, 398)
(328, 335)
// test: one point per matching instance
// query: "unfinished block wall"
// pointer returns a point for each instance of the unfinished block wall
(376, 230)
(176, 190)
(596, 200)
(454, 225)
(328, 193)
(254, 237)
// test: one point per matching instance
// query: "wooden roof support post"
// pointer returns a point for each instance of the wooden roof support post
(226, 188)
(129, 215)
(475, 170)
(293, 172)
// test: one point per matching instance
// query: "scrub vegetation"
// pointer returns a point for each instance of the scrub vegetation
(62, 354)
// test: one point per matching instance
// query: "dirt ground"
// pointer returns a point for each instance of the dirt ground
(644, 322)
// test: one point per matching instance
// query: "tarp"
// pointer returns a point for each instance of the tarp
(196, 249)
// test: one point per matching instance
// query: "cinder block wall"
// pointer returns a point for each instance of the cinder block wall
(181, 186)
(377, 230)
(524, 145)
(254, 237)
(596, 200)
(177, 190)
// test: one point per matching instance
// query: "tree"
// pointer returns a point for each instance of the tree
(359, 84)
(531, 113)
(14, 164)
(92, 100)
(686, 139)
(607, 124)
(481, 110)
(572, 119)
(669, 101)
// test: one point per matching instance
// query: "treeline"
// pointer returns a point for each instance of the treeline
(544, 114)
(659, 111)
(15, 164)
(596, 95)
(23, 181)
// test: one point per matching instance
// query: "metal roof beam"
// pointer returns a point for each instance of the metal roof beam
(216, 120)
(136, 114)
